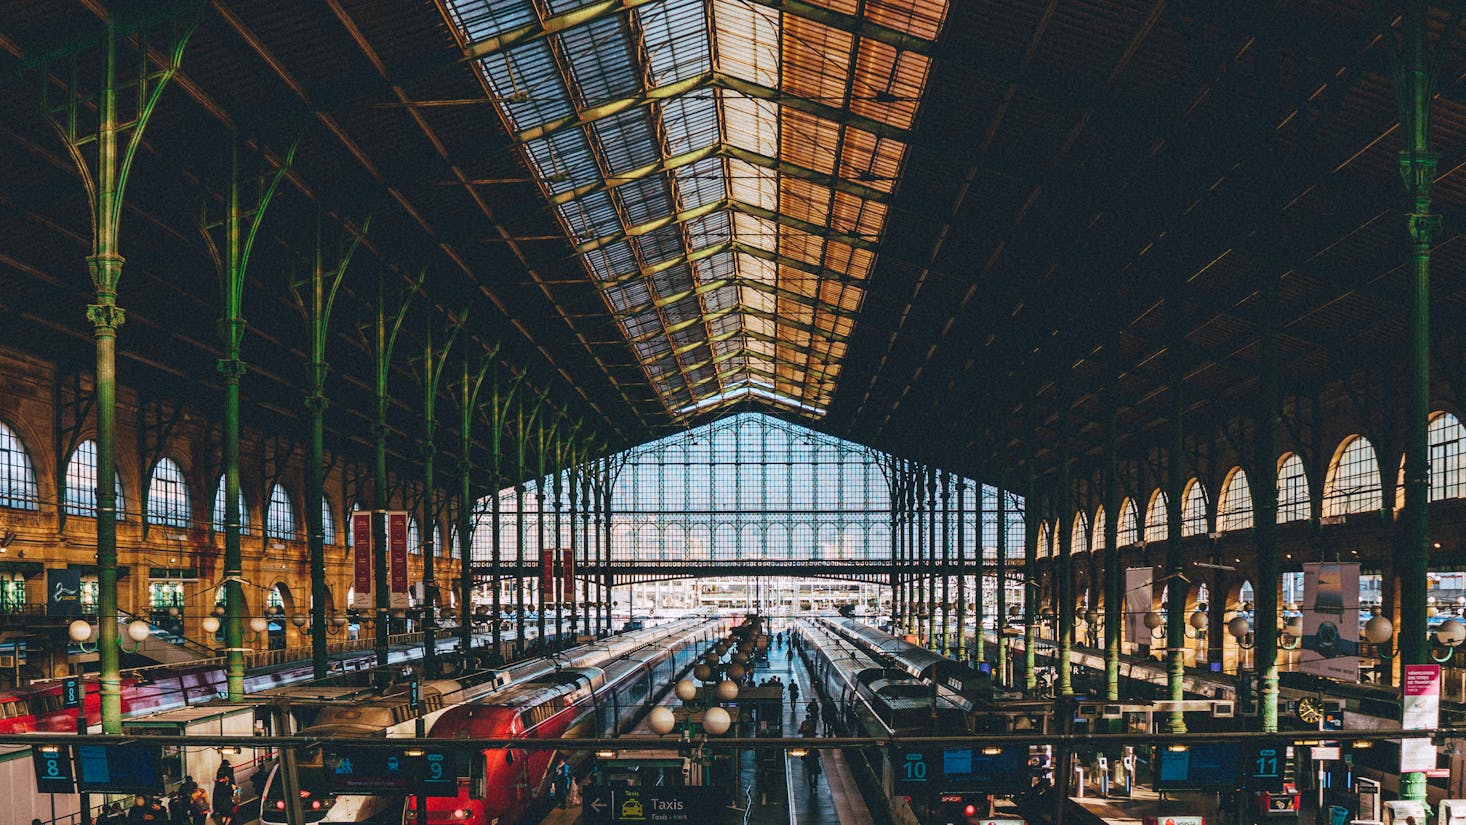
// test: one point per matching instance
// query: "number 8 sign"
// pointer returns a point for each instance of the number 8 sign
(53, 769)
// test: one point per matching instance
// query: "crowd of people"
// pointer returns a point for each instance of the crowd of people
(191, 804)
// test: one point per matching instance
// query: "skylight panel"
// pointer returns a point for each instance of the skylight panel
(676, 37)
(600, 58)
(660, 245)
(645, 199)
(627, 141)
(564, 160)
(528, 84)
(701, 183)
(751, 123)
(591, 216)
(481, 19)
(612, 259)
(666, 130)
(709, 230)
(691, 122)
(753, 185)
(748, 41)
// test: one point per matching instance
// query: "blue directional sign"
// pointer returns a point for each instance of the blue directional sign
(414, 695)
(367, 770)
(650, 806)
(437, 774)
(1204, 765)
(130, 768)
(53, 769)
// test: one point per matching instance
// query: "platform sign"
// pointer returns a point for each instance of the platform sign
(650, 806)
(53, 769)
(414, 696)
(130, 768)
(71, 692)
(1205, 765)
(914, 771)
(1263, 769)
(437, 774)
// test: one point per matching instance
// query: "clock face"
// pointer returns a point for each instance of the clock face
(1310, 710)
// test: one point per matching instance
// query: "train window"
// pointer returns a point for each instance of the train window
(476, 773)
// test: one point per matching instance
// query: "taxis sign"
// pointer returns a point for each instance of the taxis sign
(650, 806)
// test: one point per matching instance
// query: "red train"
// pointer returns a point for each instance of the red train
(38, 707)
(581, 701)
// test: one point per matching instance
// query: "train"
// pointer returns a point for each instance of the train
(583, 696)
(969, 687)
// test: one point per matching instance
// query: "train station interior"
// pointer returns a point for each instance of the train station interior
(906, 412)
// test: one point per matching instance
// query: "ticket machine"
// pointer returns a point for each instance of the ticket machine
(1451, 812)
(1404, 812)
(1275, 805)
(1172, 819)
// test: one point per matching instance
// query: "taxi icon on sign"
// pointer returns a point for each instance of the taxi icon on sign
(632, 809)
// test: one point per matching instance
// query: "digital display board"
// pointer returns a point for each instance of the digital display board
(130, 768)
(1208, 765)
(961, 769)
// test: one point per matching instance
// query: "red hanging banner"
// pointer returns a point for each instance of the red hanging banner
(361, 539)
(567, 576)
(397, 557)
(547, 576)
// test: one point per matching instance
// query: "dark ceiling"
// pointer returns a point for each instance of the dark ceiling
(1093, 196)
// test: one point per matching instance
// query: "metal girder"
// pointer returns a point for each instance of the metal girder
(823, 110)
(851, 24)
(713, 80)
(694, 257)
(601, 111)
(555, 24)
(727, 150)
(611, 182)
(662, 301)
(688, 215)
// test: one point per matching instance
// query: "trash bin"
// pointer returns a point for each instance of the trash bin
(1338, 815)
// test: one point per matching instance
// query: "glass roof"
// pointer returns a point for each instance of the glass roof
(723, 168)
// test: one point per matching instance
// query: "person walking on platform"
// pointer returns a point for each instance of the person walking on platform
(812, 768)
(225, 797)
(793, 695)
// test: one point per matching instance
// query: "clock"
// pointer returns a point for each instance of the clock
(1310, 710)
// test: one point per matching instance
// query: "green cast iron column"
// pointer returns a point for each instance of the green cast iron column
(384, 339)
(470, 383)
(1177, 585)
(962, 577)
(315, 299)
(1064, 531)
(1001, 591)
(929, 559)
(1415, 90)
(1265, 510)
(1114, 591)
(946, 635)
(1030, 585)
(106, 184)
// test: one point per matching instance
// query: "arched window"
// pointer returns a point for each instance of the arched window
(1079, 541)
(17, 476)
(1234, 511)
(1447, 457)
(218, 518)
(1353, 484)
(81, 482)
(1100, 523)
(1043, 540)
(438, 549)
(1292, 490)
(328, 522)
(1129, 528)
(279, 515)
(1156, 515)
(1193, 509)
(168, 495)
(414, 537)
